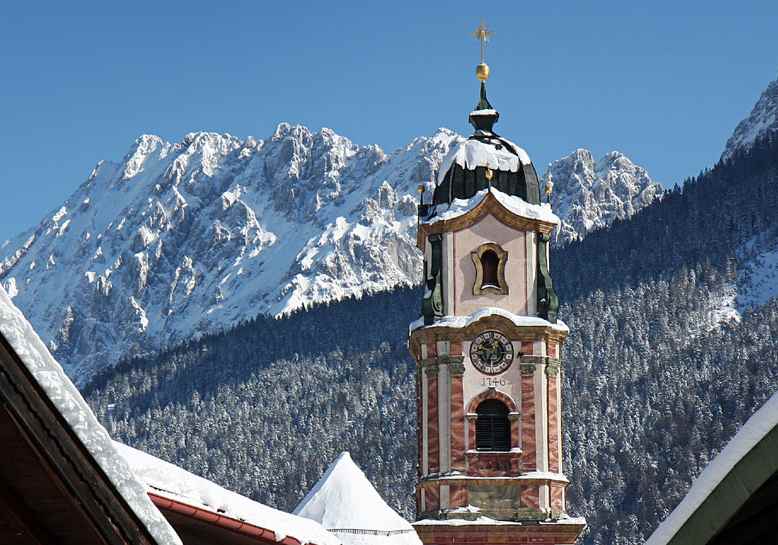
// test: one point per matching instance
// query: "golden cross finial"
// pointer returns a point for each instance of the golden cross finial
(482, 34)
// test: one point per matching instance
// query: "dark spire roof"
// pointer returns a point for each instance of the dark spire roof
(483, 104)
(484, 116)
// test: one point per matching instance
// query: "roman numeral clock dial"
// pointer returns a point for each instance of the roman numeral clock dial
(491, 352)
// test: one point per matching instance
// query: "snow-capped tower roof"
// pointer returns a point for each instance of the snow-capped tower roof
(345, 503)
(486, 159)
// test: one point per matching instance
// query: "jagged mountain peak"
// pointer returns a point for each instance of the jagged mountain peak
(182, 238)
(185, 237)
(591, 193)
(762, 121)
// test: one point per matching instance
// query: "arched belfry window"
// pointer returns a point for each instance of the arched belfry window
(489, 260)
(492, 426)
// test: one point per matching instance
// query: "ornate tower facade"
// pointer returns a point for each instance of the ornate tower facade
(488, 349)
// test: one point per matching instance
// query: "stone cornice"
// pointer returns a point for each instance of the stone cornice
(538, 360)
(455, 363)
(450, 360)
(456, 369)
(432, 370)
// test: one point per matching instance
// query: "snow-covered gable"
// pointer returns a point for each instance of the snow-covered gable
(170, 481)
(473, 153)
(512, 203)
(346, 503)
(71, 405)
(753, 431)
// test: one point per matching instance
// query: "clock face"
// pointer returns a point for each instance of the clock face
(491, 352)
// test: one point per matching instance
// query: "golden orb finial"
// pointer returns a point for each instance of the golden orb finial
(482, 71)
(482, 34)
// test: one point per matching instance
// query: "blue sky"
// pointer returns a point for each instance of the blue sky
(666, 83)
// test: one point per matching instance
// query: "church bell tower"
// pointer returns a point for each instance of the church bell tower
(488, 349)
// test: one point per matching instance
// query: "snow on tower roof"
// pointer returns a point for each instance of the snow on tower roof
(170, 481)
(753, 431)
(67, 400)
(474, 153)
(346, 503)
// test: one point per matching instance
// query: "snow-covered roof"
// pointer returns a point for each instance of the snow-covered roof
(514, 204)
(168, 480)
(464, 321)
(752, 432)
(71, 405)
(474, 153)
(346, 503)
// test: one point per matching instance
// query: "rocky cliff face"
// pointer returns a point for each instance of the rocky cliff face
(182, 238)
(590, 194)
(762, 120)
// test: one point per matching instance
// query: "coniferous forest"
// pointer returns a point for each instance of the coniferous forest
(655, 381)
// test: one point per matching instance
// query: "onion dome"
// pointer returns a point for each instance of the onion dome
(486, 160)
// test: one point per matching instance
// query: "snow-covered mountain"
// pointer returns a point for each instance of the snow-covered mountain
(762, 120)
(183, 238)
(590, 194)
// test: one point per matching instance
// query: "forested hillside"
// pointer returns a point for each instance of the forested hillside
(705, 221)
(659, 370)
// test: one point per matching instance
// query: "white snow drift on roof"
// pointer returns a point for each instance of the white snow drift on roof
(345, 502)
(68, 401)
(517, 205)
(474, 153)
(753, 431)
(485, 111)
(464, 321)
(171, 481)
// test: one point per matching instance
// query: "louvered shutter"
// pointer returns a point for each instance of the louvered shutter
(492, 427)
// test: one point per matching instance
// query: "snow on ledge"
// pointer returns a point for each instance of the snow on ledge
(545, 475)
(464, 321)
(512, 203)
(486, 521)
(71, 405)
(753, 431)
(530, 476)
(173, 482)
